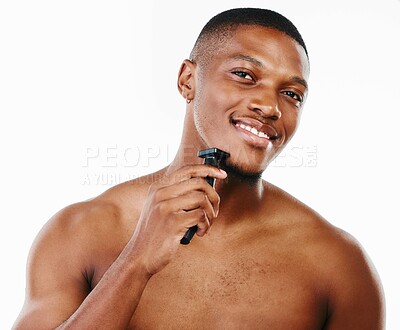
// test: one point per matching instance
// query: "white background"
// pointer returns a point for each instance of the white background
(98, 78)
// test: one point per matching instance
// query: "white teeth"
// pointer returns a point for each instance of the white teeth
(253, 130)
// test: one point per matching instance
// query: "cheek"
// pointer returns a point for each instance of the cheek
(205, 120)
(210, 110)
(296, 120)
(291, 123)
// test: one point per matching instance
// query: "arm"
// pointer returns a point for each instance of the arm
(58, 290)
(356, 295)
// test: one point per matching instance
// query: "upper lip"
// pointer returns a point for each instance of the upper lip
(259, 124)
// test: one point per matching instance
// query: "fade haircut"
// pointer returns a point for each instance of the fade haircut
(222, 26)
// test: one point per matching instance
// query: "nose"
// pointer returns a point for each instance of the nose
(266, 105)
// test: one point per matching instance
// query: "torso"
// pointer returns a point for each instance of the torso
(264, 279)
(231, 290)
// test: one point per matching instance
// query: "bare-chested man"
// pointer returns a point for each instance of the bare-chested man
(269, 261)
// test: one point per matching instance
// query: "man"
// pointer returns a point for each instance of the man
(269, 261)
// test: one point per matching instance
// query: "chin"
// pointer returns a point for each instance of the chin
(242, 173)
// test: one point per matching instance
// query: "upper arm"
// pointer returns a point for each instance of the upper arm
(56, 283)
(356, 299)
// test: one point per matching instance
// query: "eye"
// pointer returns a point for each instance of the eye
(243, 74)
(293, 95)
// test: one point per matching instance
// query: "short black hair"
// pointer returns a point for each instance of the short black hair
(222, 25)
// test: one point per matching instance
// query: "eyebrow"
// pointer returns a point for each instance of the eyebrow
(248, 59)
(300, 81)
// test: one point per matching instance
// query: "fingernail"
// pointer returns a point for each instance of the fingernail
(222, 171)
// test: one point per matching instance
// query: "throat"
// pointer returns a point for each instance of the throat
(242, 199)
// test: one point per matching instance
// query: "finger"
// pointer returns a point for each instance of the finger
(192, 218)
(193, 171)
(194, 200)
(185, 187)
(203, 226)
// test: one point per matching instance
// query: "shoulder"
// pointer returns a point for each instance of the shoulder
(88, 227)
(319, 237)
(72, 234)
(339, 263)
(354, 291)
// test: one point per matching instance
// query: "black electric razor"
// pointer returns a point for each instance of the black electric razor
(213, 157)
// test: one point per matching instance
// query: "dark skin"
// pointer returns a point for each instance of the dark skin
(260, 260)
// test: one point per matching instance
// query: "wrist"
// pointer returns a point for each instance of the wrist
(137, 261)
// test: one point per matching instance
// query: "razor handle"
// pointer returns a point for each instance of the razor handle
(213, 157)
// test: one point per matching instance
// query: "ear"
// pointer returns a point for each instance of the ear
(186, 81)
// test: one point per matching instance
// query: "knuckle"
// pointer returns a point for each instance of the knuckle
(213, 196)
(163, 207)
(154, 186)
(197, 196)
(199, 214)
(204, 200)
(197, 181)
(158, 195)
(153, 189)
(187, 169)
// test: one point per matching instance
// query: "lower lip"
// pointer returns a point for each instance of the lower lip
(253, 140)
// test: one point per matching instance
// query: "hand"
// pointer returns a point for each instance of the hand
(174, 204)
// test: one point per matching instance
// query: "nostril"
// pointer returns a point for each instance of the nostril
(267, 110)
(272, 114)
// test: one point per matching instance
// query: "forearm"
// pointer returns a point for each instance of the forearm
(113, 301)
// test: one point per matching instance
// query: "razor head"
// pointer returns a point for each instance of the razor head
(213, 152)
(213, 156)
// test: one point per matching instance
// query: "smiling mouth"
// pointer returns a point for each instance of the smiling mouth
(257, 128)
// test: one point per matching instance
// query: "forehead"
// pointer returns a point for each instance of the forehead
(271, 47)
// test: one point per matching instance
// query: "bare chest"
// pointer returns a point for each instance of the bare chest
(237, 292)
